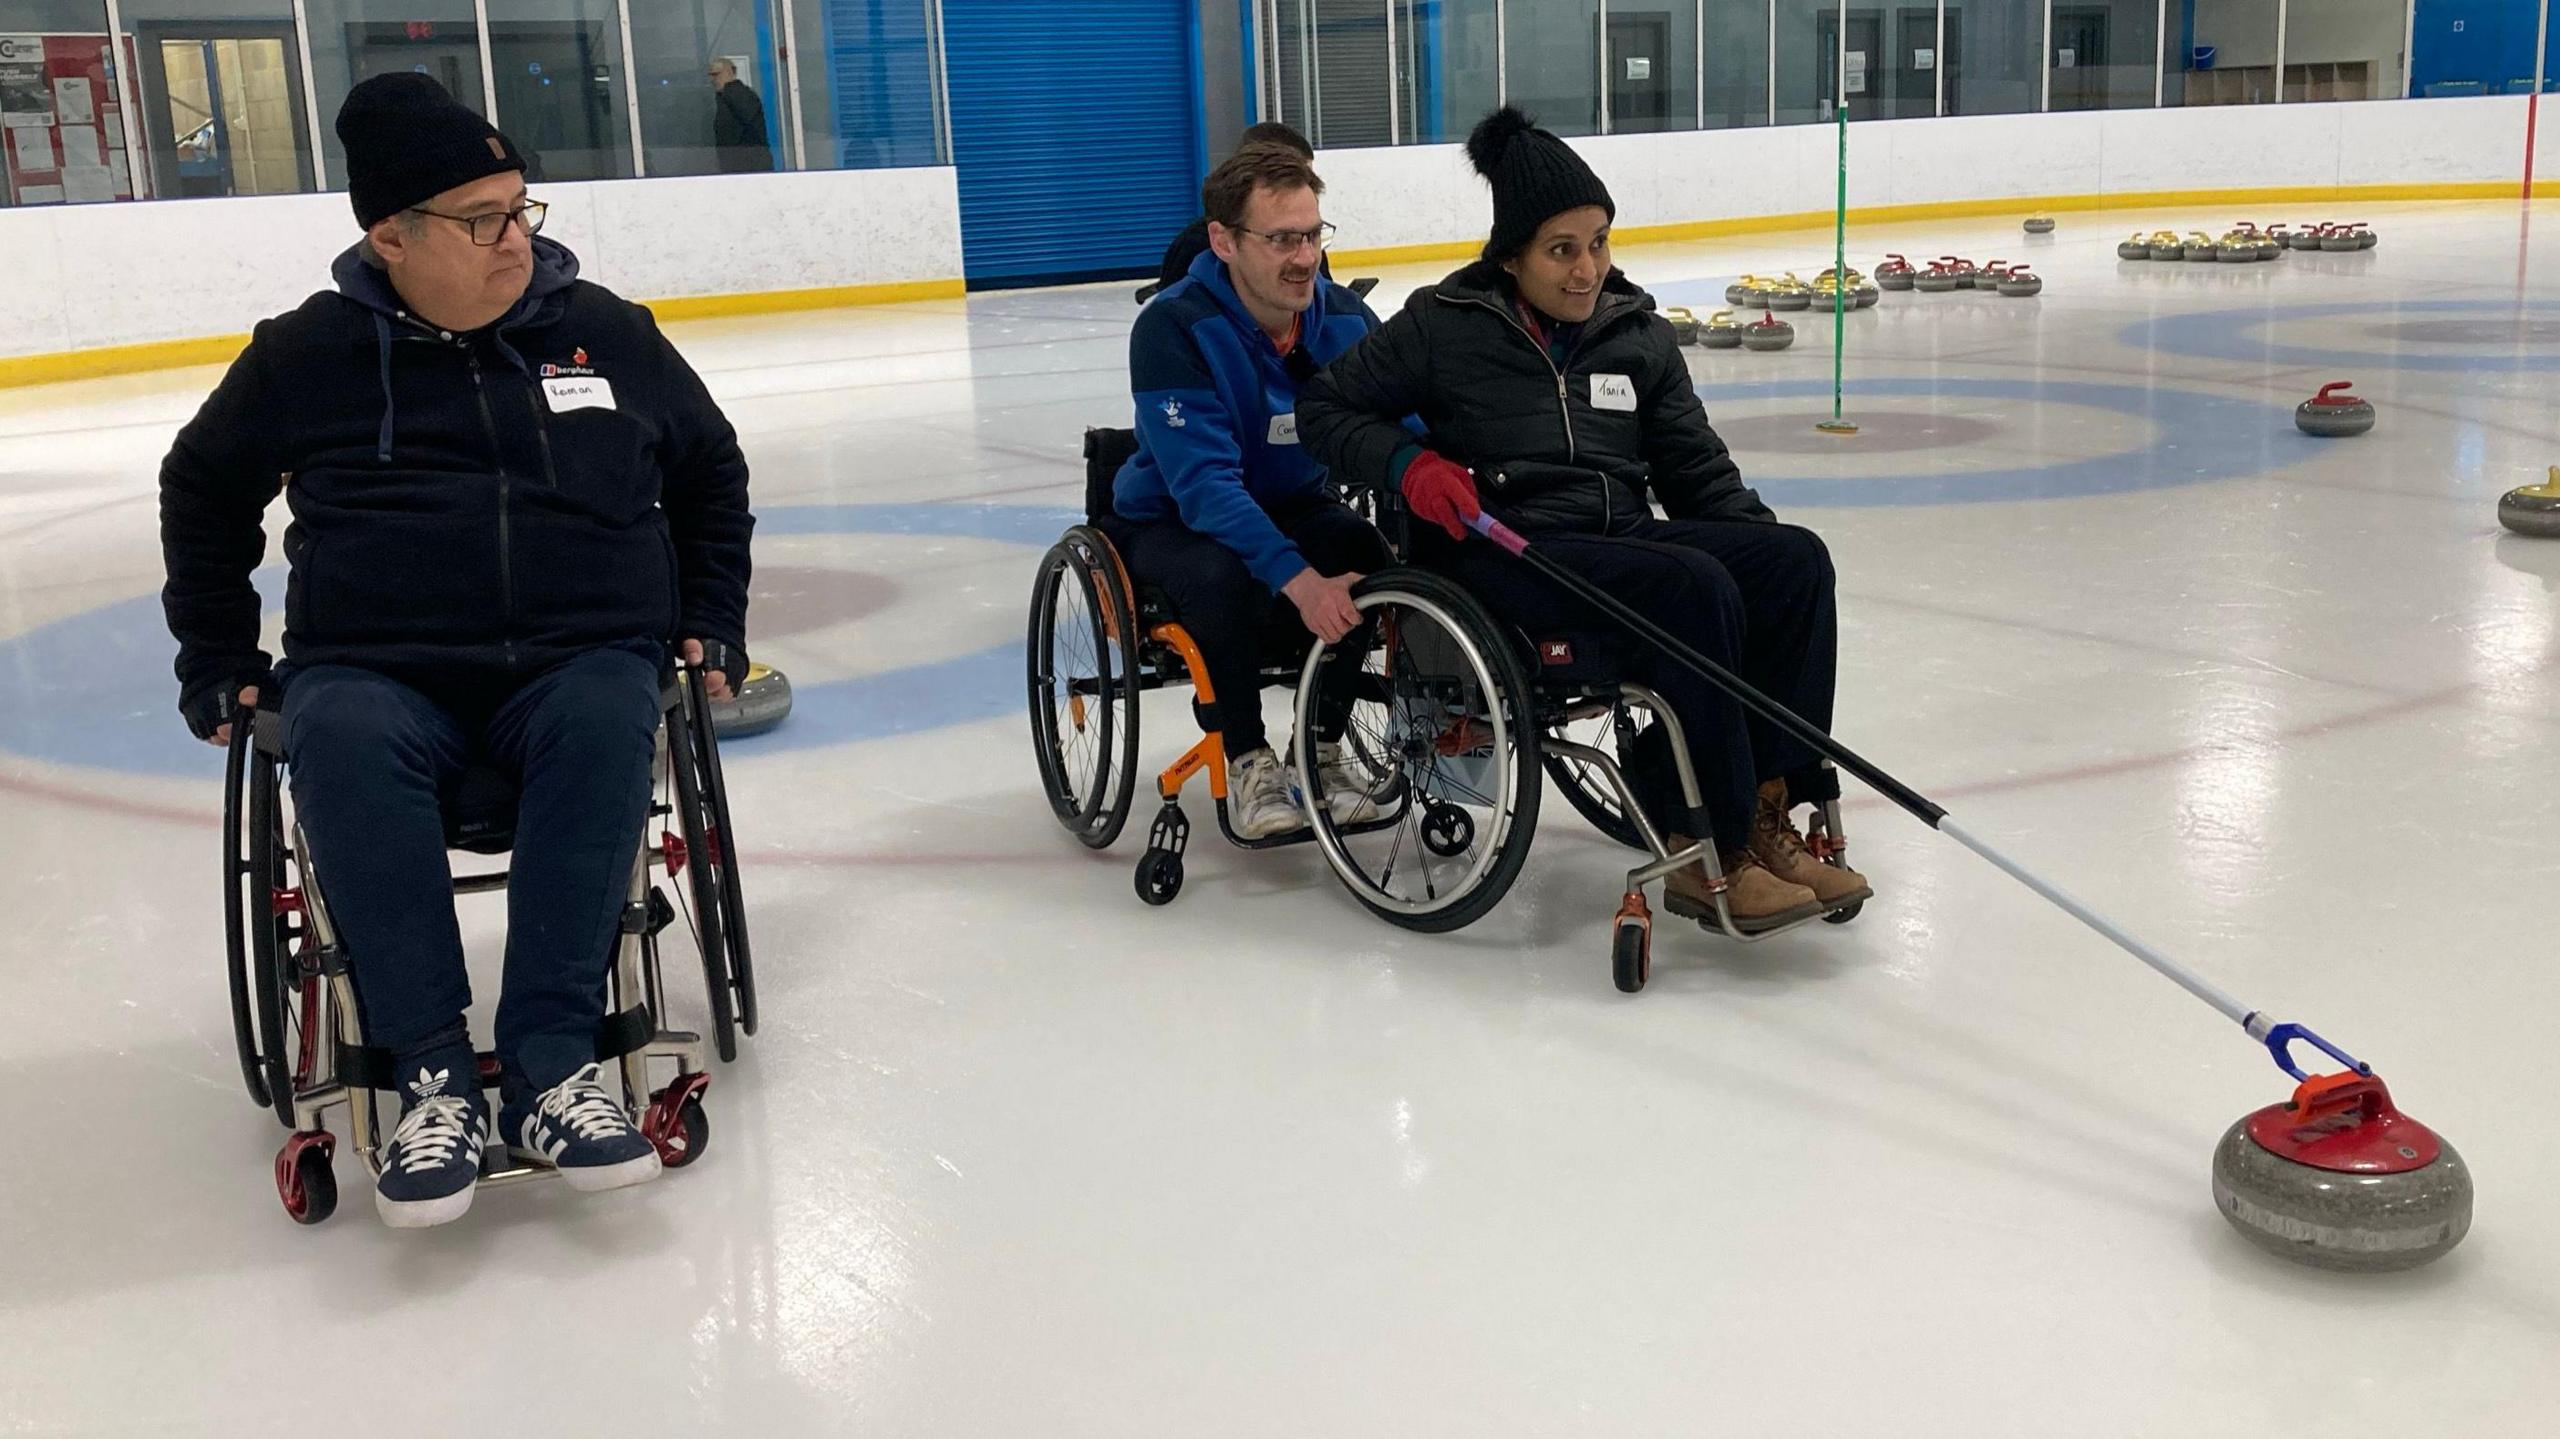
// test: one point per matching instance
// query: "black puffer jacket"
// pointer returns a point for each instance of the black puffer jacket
(1571, 449)
(463, 505)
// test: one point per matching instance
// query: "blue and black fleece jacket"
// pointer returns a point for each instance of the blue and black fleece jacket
(1217, 414)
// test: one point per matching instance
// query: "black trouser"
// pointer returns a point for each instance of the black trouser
(1756, 598)
(374, 761)
(1235, 621)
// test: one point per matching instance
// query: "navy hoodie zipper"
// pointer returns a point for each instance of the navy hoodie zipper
(506, 536)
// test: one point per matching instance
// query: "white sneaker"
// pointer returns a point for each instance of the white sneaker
(1259, 804)
(1351, 790)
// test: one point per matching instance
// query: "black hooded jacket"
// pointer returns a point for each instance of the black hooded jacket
(479, 505)
(1571, 447)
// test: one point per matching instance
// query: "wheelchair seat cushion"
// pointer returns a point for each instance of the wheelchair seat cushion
(481, 815)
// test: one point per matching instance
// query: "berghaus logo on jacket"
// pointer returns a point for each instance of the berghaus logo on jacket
(1173, 415)
(576, 366)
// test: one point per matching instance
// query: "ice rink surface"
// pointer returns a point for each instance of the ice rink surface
(1016, 1155)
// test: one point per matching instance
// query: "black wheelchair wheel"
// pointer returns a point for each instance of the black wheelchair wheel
(704, 879)
(1081, 661)
(1583, 785)
(724, 857)
(1443, 700)
(1631, 957)
(271, 936)
(237, 881)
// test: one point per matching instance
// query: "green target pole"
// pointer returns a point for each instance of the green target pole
(1840, 292)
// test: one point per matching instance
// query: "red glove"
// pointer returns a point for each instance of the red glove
(1440, 490)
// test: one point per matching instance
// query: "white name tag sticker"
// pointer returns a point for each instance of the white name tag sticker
(1613, 392)
(1284, 429)
(586, 392)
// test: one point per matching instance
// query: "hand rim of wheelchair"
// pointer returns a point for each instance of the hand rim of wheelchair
(1080, 556)
(1496, 671)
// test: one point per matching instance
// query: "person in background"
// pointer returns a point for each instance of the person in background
(737, 123)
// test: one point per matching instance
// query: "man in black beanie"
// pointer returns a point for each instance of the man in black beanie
(1545, 372)
(511, 498)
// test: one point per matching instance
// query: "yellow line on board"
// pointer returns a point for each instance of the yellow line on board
(49, 369)
(1958, 209)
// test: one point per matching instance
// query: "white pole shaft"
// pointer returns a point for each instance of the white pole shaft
(1395, 127)
(310, 95)
(630, 90)
(2185, 979)
(127, 102)
(489, 66)
(791, 83)
(2282, 7)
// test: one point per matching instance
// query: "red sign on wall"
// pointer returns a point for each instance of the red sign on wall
(61, 134)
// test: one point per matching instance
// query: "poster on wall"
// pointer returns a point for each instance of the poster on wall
(25, 99)
(65, 140)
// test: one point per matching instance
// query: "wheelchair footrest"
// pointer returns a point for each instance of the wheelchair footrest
(365, 1066)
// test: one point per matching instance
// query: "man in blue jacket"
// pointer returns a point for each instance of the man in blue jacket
(1223, 510)
(510, 497)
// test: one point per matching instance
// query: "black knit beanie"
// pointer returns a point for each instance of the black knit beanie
(1535, 177)
(408, 142)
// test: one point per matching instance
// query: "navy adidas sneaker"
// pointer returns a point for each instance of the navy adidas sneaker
(579, 1127)
(432, 1165)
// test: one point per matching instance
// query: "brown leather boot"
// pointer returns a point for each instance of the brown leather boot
(1757, 899)
(1777, 843)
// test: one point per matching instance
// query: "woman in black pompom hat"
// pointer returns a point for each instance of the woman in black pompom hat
(1544, 374)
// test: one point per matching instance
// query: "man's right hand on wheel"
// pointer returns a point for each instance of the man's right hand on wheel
(209, 711)
(1439, 489)
(1324, 604)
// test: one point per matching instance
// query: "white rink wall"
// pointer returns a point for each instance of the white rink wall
(89, 276)
(1426, 194)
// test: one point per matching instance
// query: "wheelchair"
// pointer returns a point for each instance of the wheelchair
(297, 1017)
(1458, 722)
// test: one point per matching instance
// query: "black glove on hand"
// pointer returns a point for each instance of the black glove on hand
(728, 659)
(207, 708)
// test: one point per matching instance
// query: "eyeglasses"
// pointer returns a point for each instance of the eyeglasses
(488, 230)
(1288, 242)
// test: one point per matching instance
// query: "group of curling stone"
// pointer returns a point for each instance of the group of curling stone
(1720, 331)
(2245, 242)
(1954, 272)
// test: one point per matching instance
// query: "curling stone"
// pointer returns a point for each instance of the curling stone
(2339, 1179)
(1895, 273)
(1740, 292)
(2136, 248)
(2039, 224)
(1768, 333)
(2365, 239)
(2270, 242)
(2236, 249)
(1937, 279)
(1862, 294)
(2200, 247)
(1963, 269)
(2017, 284)
(2333, 412)
(2165, 246)
(1991, 274)
(1684, 325)
(2339, 238)
(2308, 239)
(1720, 332)
(2534, 509)
(754, 707)
(1789, 294)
